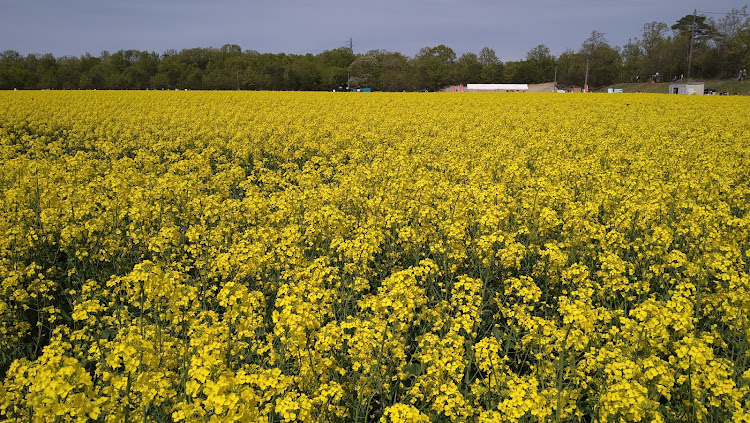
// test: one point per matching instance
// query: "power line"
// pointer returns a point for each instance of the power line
(724, 13)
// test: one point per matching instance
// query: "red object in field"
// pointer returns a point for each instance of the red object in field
(585, 88)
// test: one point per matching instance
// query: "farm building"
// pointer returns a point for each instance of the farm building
(687, 88)
(497, 88)
(547, 87)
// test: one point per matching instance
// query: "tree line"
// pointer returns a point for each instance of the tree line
(695, 46)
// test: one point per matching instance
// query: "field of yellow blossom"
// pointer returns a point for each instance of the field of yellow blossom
(331, 257)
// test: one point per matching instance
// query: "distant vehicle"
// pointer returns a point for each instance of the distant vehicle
(709, 92)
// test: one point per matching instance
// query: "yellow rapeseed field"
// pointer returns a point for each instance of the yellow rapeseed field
(332, 257)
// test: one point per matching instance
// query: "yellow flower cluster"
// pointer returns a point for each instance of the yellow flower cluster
(206, 256)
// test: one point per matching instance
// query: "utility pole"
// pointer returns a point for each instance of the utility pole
(554, 88)
(351, 50)
(586, 80)
(690, 51)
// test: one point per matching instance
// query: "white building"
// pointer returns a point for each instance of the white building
(497, 88)
(687, 88)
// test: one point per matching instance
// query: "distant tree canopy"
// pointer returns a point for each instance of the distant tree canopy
(718, 49)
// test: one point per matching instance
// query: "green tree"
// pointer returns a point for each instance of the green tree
(514, 72)
(395, 71)
(492, 67)
(333, 66)
(694, 34)
(733, 41)
(169, 72)
(302, 74)
(114, 66)
(653, 35)
(252, 72)
(91, 72)
(487, 56)
(363, 72)
(493, 73)
(540, 65)
(469, 69)
(68, 72)
(634, 59)
(231, 49)
(215, 77)
(142, 66)
(435, 66)
(571, 67)
(605, 62)
(657, 50)
(13, 71)
(698, 26)
(238, 71)
(218, 75)
(269, 71)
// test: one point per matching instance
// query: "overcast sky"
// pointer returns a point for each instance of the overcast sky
(75, 27)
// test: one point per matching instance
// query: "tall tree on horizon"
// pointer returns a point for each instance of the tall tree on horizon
(695, 33)
(604, 61)
(733, 41)
(436, 66)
